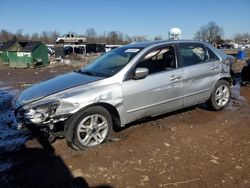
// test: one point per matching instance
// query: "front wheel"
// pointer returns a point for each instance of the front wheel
(220, 96)
(80, 42)
(88, 128)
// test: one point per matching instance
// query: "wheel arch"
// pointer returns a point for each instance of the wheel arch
(226, 79)
(69, 129)
(210, 102)
(61, 41)
(111, 109)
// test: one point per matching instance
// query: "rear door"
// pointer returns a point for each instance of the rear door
(201, 68)
(160, 91)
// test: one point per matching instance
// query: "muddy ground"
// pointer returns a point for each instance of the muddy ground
(192, 148)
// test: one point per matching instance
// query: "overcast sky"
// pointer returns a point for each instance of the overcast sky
(133, 17)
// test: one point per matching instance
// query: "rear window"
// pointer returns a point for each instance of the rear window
(212, 56)
(193, 54)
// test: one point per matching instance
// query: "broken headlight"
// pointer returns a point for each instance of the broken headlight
(38, 113)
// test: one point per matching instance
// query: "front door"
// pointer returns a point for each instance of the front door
(159, 92)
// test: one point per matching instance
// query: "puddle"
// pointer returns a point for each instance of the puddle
(236, 93)
(237, 101)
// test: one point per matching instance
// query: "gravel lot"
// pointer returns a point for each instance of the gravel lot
(192, 148)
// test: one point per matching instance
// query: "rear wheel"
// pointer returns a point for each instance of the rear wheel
(88, 128)
(220, 96)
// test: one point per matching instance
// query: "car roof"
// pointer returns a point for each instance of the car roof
(152, 43)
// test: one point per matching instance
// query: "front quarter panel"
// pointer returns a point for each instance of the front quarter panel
(76, 99)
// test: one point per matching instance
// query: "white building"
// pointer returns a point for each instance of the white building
(174, 33)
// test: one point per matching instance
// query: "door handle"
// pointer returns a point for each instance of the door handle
(173, 77)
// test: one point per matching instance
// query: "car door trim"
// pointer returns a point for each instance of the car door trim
(152, 105)
(195, 93)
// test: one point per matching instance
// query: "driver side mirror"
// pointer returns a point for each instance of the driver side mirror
(140, 73)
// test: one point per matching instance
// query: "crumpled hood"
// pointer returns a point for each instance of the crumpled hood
(54, 85)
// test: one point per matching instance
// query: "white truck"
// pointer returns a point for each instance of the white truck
(70, 38)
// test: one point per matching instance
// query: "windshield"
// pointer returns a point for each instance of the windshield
(110, 63)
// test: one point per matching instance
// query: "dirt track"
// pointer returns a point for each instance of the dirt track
(192, 148)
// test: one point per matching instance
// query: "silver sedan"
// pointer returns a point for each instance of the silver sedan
(126, 84)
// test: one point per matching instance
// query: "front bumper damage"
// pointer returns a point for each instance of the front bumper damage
(43, 118)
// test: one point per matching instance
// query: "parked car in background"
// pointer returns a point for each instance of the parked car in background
(95, 48)
(68, 50)
(70, 38)
(109, 47)
(51, 50)
(124, 85)
(76, 49)
(226, 46)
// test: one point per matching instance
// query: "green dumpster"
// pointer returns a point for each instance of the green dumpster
(25, 54)
(4, 52)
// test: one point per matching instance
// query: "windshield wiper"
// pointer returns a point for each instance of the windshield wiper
(90, 73)
(85, 72)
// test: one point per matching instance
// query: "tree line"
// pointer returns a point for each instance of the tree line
(211, 32)
(49, 37)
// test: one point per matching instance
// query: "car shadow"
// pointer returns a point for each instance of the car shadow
(30, 166)
(39, 167)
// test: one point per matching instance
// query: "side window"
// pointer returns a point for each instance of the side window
(212, 56)
(158, 60)
(67, 36)
(193, 54)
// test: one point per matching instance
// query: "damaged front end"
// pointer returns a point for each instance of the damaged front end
(37, 113)
(46, 117)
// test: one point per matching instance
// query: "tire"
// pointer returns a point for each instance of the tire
(61, 41)
(88, 128)
(220, 96)
(79, 42)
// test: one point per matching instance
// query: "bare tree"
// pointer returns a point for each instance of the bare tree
(202, 34)
(120, 38)
(241, 37)
(5, 35)
(139, 38)
(53, 36)
(112, 37)
(49, 37)
(101, 38)
(90, 35)
(44, 37)
(209, 33)
(26, 37)
(35, 37)
(158, 37)
(19, 35)
(128, 39)
(218, 40)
